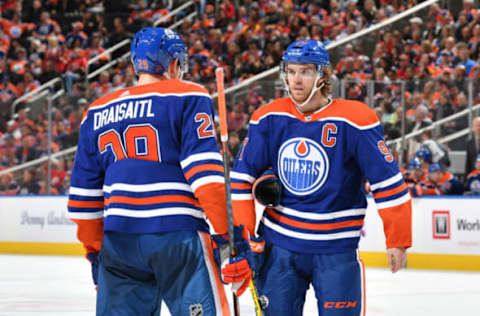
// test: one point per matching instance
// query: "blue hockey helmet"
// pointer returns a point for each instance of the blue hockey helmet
(434, 167)
(424, 154)
(414, 164)
(154, 48)
(306, 52)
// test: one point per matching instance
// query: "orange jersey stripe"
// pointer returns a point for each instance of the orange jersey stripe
(297, 224)
(163, 87)
(85, 204)
(390, 192)
(241, 186)
(206, 167)
(150, 200)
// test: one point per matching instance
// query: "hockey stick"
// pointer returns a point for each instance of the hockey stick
(222, 110)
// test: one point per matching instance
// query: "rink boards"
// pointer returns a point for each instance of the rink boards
(446, 231)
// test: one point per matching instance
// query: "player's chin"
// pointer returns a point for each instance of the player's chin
(299, 96)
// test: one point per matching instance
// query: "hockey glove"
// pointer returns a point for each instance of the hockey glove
(93, 258)
(267, 189)
(234, 269)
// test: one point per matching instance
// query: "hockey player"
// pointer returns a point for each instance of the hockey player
(321, 150)
(440, 182)
(147, 174)
(473, 179)
(414, 176)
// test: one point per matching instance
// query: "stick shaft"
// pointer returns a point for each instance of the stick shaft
(222, 111)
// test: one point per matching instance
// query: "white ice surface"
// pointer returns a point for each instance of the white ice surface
(54, 286)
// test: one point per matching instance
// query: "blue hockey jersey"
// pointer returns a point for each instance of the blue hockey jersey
(321, 160)
(148, 161)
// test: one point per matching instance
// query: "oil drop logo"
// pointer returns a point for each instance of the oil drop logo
(302, 165)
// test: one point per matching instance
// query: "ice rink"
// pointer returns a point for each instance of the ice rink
(54, 286)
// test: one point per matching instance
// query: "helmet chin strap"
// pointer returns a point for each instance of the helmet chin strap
(314, 89)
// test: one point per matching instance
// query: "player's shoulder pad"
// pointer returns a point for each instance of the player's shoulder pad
(172, 87)
(103, 100)
(281, 106)
(355, 113)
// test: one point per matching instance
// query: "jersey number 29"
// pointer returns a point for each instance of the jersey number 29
(139, 141)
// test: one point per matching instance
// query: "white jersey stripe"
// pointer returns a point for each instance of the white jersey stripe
(238, 197)
(290, 233)
(331, 118)
(155, 212)
(242, 176)
(160, 186)
(85, 192)
(398, 201)
(85, 215)
(387, 182)
(324, 216)
(272, 113)
(199, 157)
(207, 180)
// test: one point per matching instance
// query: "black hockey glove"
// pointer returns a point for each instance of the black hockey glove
(267, 189)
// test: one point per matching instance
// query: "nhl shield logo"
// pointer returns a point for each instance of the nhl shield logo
(196, 310)
(302, 165)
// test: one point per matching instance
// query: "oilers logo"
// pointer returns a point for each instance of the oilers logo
(302, 165)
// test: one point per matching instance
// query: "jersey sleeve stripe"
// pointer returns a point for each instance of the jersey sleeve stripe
(199, 157)
(85, 204)
(313, 226)
(241, 177)
(160, 186)
(257, 121)
(299, 235)
(151, 200)
(387, 182)
(155, 212)
(85, 215)
(398, 201)
(320, 217)
(206, 180)
(390, 192)
(241, 186)
(201, 168)
(85, 192)
(241, 197)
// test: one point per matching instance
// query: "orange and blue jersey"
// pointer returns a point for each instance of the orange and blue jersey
(321, 159)
(447, 185)
(473, 182)
(148, 161)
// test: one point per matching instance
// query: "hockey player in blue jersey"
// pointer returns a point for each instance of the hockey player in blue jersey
(147, 175)
(321, 150)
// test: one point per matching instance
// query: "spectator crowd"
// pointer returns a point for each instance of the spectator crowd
(436, 56)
